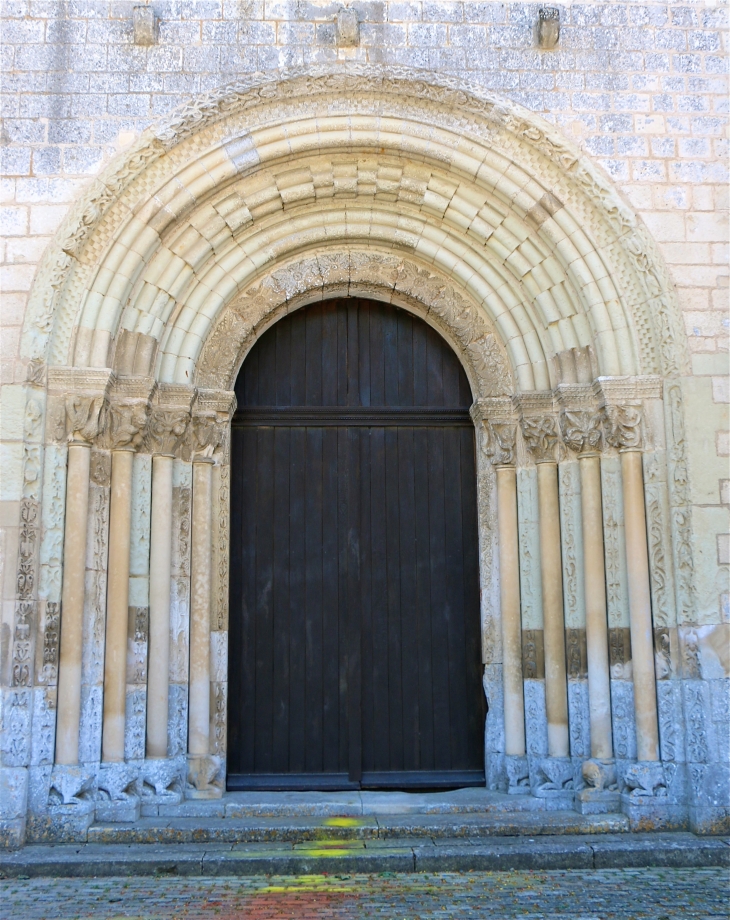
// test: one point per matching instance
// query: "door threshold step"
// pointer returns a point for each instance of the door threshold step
(261, 804)
(675, 850)
(354, 828)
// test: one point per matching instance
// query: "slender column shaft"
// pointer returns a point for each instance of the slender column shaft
(200, 598)
(509, 586)
(599, 687)
(117, 607)
(642, 647)
(72, 605)
(160, 581)
(556, 690)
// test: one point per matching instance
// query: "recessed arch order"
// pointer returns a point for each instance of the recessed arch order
(283, 188)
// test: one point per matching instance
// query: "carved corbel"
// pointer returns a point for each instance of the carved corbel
(623, 427)
(125, 428)
(85, 418)
(166, 429)
(502, 438)
(540, 433)
(582, 429)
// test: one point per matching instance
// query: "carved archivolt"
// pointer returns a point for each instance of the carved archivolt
(488, 194)
(382, 276)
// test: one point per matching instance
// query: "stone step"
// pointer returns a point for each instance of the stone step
(296, 829)
(353, 804)
(676, 850)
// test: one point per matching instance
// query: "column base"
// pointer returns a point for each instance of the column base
(204, 781)
(210, 792)
(653, 796)
(61, 823)
(61, 801)
(597, 802)
(600, 795)
(120, 812)
(162, 781)
(71, 785)
(117, 799)
(552, 778)
(518, 775)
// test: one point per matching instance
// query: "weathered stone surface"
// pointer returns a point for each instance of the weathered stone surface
(604, 329)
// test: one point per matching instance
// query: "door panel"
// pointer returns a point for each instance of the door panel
(354, 623)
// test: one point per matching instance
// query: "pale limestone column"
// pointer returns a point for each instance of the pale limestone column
(599, 687)
(509, 585)
(556, 690)
(160, 589)
(117, 609)
(200, 607)
(642, 646)
(72, 605)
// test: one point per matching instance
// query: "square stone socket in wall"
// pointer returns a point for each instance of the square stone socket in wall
(143, 20)
(347, 29)
(548, 28)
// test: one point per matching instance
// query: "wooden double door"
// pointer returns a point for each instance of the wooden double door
(355, 656)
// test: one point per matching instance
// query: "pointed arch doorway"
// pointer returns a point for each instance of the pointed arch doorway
(355, 654)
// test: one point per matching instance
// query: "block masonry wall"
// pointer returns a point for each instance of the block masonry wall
(641, 88)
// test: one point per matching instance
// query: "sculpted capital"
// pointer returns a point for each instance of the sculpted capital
(502, 436)
(85, 416)
(541, 437)
(204, 435)
(166, 429)
(582, 429)
(623, 427)
(125, 428)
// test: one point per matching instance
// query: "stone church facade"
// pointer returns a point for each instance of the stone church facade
(544, 188)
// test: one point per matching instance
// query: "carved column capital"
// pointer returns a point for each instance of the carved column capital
(501, 441)
(205, 434)
(540, 433)
(623, 427)
(582, 429)
(166, 429)
(125, 426)
(84, 418)
(208, 431)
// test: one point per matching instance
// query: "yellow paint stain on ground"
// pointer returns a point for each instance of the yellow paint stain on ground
(344, 822)
(306, 883)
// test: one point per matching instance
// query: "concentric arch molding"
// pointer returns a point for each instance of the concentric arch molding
(283, 165)
(379, 276)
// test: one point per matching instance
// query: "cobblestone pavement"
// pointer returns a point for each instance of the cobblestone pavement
(609, 894)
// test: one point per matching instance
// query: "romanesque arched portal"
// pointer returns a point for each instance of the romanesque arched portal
(270, 194)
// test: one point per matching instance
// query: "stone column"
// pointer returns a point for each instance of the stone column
(117, 607)
(82, 421)
(124, 436)
(552, 593)
(599, 687)
(72, 605)
(625, 434)
(647, 726)
(502, 443)
(166, 429)
(202, 767)
(160, 584)
(582, 432)
(540, 434)
(200, 597)
(509, 582)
